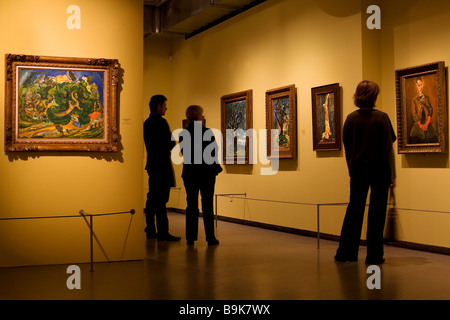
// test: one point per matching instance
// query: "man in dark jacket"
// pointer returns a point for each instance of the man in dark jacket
(200, 169)
(158, 143)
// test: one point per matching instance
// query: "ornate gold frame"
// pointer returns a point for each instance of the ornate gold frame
(434, 89)
(110, 74)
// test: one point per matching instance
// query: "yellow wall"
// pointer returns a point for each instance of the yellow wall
(311, 43)
(270, 46)
(157, 80)
(415, 33)
(62, 183)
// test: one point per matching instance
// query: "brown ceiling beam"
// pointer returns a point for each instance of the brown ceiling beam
(173, 12)
(224, 18)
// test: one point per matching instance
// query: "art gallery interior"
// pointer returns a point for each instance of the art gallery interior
(222, 48)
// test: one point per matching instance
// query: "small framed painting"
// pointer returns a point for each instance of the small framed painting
(281, 115)
(237, 119)
(326, 116)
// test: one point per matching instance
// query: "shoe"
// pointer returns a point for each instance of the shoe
(344, 259)
(375, 261)
(168, 237)
(213, 242)
(152, 236)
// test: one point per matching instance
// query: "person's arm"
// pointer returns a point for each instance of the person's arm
(430, 114)
(391, 158)
(391, 138)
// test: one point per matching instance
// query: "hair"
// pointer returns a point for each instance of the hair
(366, 94)
(194, 112)
(155, 100)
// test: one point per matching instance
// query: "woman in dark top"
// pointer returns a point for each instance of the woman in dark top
(200, 168)
(368, 137)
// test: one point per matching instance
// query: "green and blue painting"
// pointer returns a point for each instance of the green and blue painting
(57, 103)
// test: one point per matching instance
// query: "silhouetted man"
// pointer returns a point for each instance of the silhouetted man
(158, 143)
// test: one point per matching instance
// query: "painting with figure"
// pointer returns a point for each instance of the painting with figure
(421, 107)
(421, 94)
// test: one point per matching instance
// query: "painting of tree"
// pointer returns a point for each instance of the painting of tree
(281, 115)
(281, 120)
(326, 116)
(236, 120)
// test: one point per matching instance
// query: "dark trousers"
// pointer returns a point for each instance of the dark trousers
(155, 207)
(353, 221)
(205, 186)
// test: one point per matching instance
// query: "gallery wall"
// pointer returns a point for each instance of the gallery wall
(309, 44)
(157, 78)
(423, 180)
(37, 184)
(268, 47)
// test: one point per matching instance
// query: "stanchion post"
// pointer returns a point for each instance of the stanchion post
(318, 226)
(91, 218)
(215, 208)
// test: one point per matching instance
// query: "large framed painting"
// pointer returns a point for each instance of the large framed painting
(237, 119)
(422, 109)
(326, 117)
(61, 104)
(281, 115)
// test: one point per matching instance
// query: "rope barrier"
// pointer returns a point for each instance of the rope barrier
(276, 201)
(132, 211)
(326, 204)
(90, 224)
(317, 205)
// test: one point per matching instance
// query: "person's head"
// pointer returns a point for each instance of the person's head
(419, 85)
(366, 94)
(158, 104)
(194, 113)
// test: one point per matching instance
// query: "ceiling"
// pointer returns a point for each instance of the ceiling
(190, 17)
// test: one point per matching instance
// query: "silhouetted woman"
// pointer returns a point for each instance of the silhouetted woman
(368, 137)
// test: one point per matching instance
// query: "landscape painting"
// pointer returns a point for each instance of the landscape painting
(55, 103)
(281, 115)
(236, 121)
(60, 104)
(280, 121)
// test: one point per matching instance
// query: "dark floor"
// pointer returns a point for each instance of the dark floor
(249, 264)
